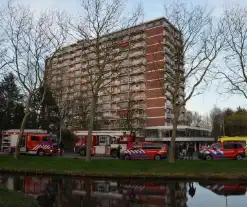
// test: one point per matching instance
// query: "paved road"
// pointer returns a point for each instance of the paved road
(73, 155)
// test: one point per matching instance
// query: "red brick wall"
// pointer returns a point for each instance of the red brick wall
(155, 39)
(159, 74)
(155, 93)
(155, 84)
(155, 65)
(153, 112)
(158, 102)
(155, 53)
(154, 31)
(156, 122)
(155, 56)
(154, 48)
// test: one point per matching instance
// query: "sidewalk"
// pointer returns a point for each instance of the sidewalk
(3, 153)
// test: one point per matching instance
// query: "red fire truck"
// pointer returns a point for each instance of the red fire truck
(138, 192)
(104, 142)
(33, 141)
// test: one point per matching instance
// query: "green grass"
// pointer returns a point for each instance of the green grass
(122, 167)
(14, 199)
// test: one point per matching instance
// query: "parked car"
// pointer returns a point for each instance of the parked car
(146, 150)
(223, 150)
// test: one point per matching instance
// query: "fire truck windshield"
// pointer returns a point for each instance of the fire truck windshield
(46, 138)
(53, 137)
(80, 138)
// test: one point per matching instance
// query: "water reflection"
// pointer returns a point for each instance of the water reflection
(77, 192)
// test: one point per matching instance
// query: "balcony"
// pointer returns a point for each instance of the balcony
(138, 70)
(138, 45)
(138, 89)
(107, 114)
(182, 84)
(140, 106)
(139, 98)
(182, 93)
(138, 37)
(136, 80)
(138, 115)
(115, 100)
(138, 62)
(169, 115)
(136, 54)
(168, 105)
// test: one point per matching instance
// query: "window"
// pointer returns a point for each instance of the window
(102, 140)
(23, 141)
(124, 44)
(242, 142)
(239, 145)
(34, 138)
(152, 146)
(136, 147)
(152, 133)
(81, 137)
(229, 146)
(217, 146)
(46, 138)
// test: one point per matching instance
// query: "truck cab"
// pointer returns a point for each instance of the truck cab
(36, 142)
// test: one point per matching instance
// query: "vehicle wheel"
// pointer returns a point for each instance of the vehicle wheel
(208, 157)
(41, 152)
(82, 152)
(157, 157)
(114, 153)
(126, 157)
(239, 157)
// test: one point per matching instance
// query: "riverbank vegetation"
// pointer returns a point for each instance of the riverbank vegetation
(195, 169)
(20, 199)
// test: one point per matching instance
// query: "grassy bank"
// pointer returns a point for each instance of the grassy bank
(13, 199)
(138, 168)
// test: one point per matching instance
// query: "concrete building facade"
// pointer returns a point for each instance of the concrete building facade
(139, 91)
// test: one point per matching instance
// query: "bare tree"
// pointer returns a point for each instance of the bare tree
(195, 46)
(65, 107)
(206, 122)
(217, 122)
(102, 50)
(233, 73)
(132, 114)
(196, 119)
(82, 105)
(30, 40)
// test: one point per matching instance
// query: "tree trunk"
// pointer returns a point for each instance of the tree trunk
(90, 129)
(171, 157)
(60, 133)
(22, 128)
(172, 194)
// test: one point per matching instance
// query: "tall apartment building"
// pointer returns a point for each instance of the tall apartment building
(140, 91)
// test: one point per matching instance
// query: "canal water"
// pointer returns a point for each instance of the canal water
(78, 192)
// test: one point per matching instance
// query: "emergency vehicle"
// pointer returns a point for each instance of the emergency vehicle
(226, 189)
(154, 193)
(104, 142)
(33, 141)
(243, 140)
(229, 150)
(146, 150)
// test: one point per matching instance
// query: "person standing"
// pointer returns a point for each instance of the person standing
(118, 151)
(190, 151)
(61, 146)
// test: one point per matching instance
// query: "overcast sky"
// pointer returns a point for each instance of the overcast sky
(154, 9)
